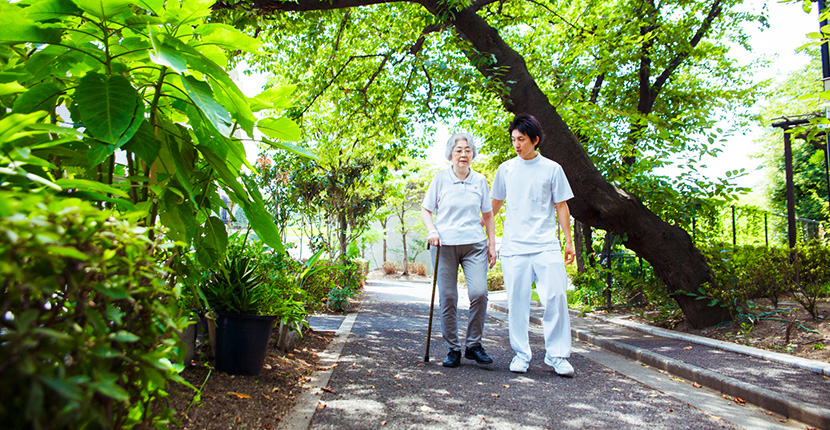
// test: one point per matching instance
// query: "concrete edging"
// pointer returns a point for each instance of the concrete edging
(306, 405)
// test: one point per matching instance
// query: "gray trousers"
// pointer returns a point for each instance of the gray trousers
(473, 259)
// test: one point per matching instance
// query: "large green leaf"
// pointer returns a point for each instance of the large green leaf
(261, 221)
(45, 10)
(178, 216)
(110, 108)
(11, 88)
(144, 143)
(225, 90)
(166, 55)
(17, 27)
(88, 185)
(273, 98)
(103, 8)
(299, 150)
(40, 97)
(212, 242)
(280, 128)
(228, 37)
(202, 96)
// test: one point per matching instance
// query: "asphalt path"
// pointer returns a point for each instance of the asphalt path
(381, 380)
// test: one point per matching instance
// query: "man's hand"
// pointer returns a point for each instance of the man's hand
(433, 238)
(570, 254)
(491, 255)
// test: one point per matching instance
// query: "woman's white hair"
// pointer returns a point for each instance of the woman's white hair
(461, 136)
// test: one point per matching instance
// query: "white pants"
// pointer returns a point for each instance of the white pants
(547, 269)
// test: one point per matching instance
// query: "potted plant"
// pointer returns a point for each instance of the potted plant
(244, 302)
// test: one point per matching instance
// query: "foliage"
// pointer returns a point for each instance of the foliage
(390, 267)
(813, 280)
(749, 272)
(253, 281)
(797, 95)
(418, 268)
(495, 278)
(130, 77)
(337, 300)
(89, 327)
(346, 277)
(404, 193)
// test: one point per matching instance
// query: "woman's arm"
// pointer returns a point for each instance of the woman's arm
(432, 237)
(490, 228)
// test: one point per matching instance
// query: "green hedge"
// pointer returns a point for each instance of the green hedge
(88, 326)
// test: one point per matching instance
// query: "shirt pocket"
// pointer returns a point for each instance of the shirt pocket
(540, 193)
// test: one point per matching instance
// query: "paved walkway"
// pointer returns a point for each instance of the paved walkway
(374, 376)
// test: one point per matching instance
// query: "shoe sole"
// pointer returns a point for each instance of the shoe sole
(482, 363)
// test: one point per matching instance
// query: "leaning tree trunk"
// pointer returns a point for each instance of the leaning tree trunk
(596, 202)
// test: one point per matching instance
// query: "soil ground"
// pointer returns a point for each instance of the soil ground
(791, 331)
(246, 402)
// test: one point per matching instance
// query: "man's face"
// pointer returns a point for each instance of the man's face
(462, 154)
(524, 147)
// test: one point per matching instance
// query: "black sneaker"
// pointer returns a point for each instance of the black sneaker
(476, 352)
(453, 359)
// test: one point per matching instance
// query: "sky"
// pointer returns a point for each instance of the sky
(788, 27)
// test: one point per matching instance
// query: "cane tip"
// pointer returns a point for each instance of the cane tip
(426, 359)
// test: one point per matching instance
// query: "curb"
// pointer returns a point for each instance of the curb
(305, 407)
(765, 398)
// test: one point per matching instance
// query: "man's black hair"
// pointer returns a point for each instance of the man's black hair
(527, 124)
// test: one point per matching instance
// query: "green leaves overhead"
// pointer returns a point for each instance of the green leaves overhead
(111, 109)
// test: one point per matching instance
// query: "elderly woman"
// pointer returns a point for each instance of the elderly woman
(460, 198)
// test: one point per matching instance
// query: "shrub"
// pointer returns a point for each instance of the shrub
(346, 276)
(88, 326)
(813, 278)
(418, 268)
(390, 267)
(495, 278)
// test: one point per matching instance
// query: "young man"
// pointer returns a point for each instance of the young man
(537, 191)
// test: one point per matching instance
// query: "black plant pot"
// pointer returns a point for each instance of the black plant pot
(241, 342)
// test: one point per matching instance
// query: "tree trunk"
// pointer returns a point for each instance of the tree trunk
(385, 233)
(579, 247)
(341, 233)
(597, 203)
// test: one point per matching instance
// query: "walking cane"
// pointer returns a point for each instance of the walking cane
(432, 302)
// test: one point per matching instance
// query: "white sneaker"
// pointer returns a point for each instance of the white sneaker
(518, 365)
(560, 366)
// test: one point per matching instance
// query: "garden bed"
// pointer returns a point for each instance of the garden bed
(247, 401)
(770, 333)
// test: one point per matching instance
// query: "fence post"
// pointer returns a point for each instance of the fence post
(766, 230)
(608, 281)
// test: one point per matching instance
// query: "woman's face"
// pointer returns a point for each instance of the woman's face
(462, 154)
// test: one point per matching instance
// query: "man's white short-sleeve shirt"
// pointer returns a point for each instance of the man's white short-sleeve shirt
(531, 188)
(458, 206)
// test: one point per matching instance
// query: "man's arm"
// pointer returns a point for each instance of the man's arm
(563, 214)
(497, 204)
